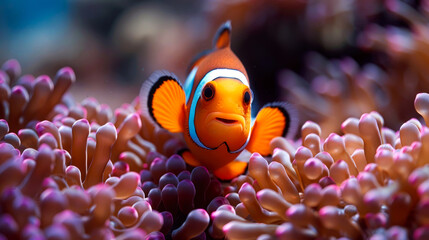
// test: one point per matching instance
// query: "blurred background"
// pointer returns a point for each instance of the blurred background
(332, 59)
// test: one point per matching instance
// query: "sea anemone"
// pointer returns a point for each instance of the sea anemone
(88, 173)
(102, 172)
(358, 169)
(58, 179)
(368, 182)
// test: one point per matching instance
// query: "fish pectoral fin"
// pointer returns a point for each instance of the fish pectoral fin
(189, 158)
(231, 170)
(165, 100)
(273, 120)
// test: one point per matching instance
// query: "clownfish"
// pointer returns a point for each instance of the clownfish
(213, 110)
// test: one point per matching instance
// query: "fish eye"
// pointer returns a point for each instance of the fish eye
(246, 97)
(208, 92)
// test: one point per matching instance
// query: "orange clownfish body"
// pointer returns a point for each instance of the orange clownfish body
(213, 110)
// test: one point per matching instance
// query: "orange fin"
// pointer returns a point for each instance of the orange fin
(189, 158)
(163, 99)
(222, 38)
(231, 170)
(273, 120)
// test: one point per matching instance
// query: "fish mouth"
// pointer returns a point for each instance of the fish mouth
(228, 119)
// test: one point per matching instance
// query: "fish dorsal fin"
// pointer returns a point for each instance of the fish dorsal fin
(273, 120)
(222, 38)
(163, 99)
